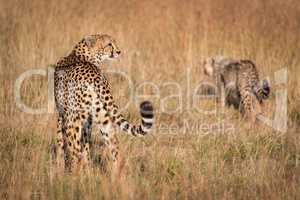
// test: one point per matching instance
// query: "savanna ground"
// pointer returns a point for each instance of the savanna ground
(191, 154)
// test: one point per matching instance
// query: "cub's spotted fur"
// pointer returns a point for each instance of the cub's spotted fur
(238, 84)
(83, 98)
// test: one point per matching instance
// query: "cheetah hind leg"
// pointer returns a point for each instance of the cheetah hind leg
(57, 147)
(109, 151)
(257, 109)
(250, 108)
(245, 107)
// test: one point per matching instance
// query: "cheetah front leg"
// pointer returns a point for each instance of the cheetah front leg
(221, 96)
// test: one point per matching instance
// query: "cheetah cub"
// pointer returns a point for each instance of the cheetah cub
(83, 98)
(238, 84)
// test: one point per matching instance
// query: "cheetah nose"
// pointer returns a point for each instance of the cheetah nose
(118, 52)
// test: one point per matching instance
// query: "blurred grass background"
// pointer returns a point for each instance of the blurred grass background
(162, 42)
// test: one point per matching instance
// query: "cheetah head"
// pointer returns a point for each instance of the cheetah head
(213, 64)
(97, 48)
(208, 66)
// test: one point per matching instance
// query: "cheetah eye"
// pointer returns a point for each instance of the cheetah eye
(109, 44)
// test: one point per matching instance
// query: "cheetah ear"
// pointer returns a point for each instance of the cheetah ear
(89, 41)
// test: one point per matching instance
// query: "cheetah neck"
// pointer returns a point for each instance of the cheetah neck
(68, 61)
(72, 59)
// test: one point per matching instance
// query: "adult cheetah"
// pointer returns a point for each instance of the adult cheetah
(83, 98)
(238, 84)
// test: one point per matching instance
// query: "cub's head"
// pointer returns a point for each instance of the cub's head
(218, 63)
(209, 66)
(96, 48)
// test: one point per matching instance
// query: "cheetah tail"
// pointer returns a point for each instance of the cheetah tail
(266, 88)
(147, 114)
(262, 91)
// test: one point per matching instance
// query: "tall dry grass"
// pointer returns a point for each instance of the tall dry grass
(161, 41)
